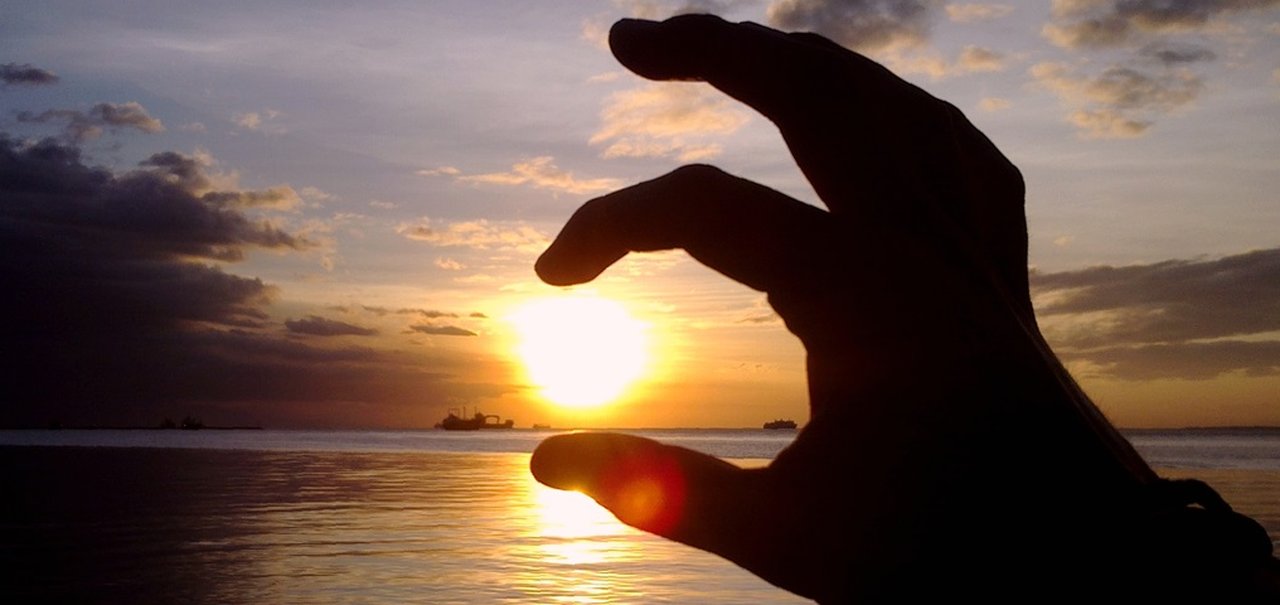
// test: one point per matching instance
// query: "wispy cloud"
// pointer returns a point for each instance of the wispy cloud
(441, 171)
(976, 12)
(449, 264)
(259, 121)
(480, 234)
(666, 119)
(540, 173)
(993, 104)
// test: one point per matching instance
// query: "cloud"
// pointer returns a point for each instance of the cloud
(109, 273)
(976, 58)
(259, 121)
(542, 173)
(480, 234)
(1138, 319)
(1120, 101)
(118, 309)
(193, 173)
(1100, 24)
(86, 126)
(868, 26)
(441, 171)
(1188, 361)
(384, 311)
(1167, 53)
(994, 104)
(660, 9)
(449, 264)
(1107, 124)
(442, 330)
(314, 325)
(666, 119)
(972, 13)
(25, 74)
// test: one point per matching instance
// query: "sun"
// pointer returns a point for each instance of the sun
(580, 350)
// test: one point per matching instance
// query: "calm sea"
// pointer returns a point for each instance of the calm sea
(239, 517)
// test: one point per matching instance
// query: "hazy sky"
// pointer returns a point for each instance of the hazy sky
(311, 213)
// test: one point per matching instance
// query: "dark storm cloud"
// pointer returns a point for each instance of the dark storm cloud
(442, 330)
(315, 325)
(1160, 318)
(116, 305)
(83, 126)
(148, 214)
(25, 74)
(1083, 24)
(863, 25)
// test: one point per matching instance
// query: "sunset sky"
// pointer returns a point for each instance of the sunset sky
(322, 214)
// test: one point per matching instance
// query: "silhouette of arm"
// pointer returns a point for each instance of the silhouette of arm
(937, 412)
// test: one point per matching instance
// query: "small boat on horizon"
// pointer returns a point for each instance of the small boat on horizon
(780, 424)
(455, 422)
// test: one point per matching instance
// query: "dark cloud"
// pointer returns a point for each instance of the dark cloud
(1159, 318)
(383, 311)
(117, 307)
(315, 325)
(478, 315)
(863, 25)
(442, 330)
(24, 74)
(1177, 54)
(83, 126)
(1087, 24)
(1189, 361)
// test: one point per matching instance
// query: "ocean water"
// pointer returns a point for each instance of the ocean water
(398, 517)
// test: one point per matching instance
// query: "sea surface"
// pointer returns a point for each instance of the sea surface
(328, 517)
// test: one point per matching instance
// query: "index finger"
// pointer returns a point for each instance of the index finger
(859, 132)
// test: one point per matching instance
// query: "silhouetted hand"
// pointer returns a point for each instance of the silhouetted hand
(946, 446)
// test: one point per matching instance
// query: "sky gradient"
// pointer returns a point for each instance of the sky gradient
(309, 214)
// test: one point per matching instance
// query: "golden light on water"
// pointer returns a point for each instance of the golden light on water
(580, 350)
(577, 528)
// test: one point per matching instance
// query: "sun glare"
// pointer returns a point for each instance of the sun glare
(580, 351)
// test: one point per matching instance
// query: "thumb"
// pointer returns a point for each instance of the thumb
(674, 492)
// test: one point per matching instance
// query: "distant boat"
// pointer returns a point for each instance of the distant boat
(780, 424)
(541, 427)
(454, 422)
